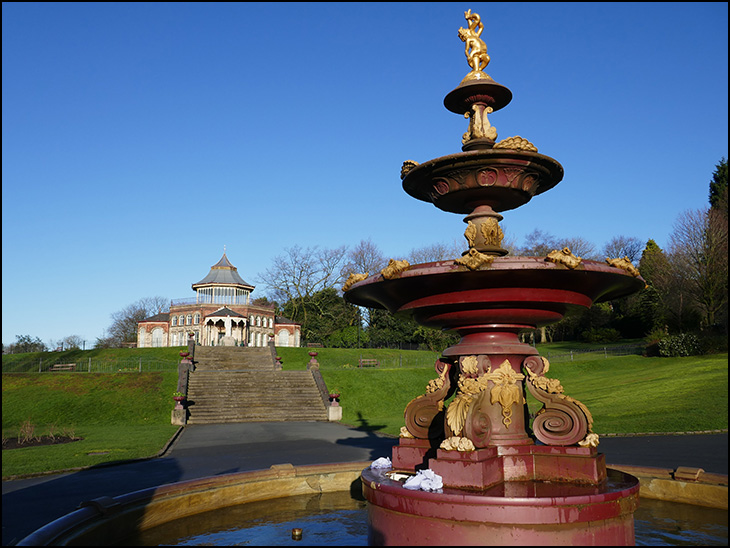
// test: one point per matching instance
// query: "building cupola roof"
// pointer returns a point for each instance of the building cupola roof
(223, 273)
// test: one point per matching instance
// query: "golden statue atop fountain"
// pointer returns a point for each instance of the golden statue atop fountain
(475, 48)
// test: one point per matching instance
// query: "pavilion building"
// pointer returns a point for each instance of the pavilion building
(221, 313)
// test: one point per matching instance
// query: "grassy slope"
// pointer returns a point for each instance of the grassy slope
(120, 416)
(635, 394)
(625, 394)
(30, 361)
(127, 415)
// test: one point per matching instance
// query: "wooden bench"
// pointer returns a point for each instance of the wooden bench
(369, 362)
(63, 367)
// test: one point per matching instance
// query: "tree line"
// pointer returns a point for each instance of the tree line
(686, 285)
(686, 288)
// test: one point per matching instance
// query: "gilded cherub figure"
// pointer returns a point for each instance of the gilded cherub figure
(475, 48)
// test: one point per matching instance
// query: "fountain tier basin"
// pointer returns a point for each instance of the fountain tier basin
(489, 306)
(501, 178)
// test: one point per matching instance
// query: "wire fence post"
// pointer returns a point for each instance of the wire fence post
(40, 365)
(89, 370)
(140, 364)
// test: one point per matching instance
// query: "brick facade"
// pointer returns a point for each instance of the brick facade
(218, 321)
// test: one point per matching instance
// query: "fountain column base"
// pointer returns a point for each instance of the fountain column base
(484, 468)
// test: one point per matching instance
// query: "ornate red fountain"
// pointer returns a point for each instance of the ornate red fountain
(504, 481)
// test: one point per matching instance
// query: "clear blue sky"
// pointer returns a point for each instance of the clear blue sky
(140, 138)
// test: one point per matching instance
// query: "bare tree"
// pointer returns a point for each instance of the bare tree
(300, 273)
(624, 246)
(124, 322)
(365, 257)
(436, 252)
(579, 247)
(698, 251)
(539, 243)
(72, 342)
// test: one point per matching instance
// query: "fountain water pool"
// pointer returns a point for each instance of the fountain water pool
(338, 519)
(326, 501)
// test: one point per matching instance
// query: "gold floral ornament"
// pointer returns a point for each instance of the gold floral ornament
(459, 407)
(474, 47)
(353, 279)
(438, 383)
(564, 257)
(404, 433)
(506, 391)
(624, 264)
(479, 126)
(473, 259)
(406, 167)
(471, 233)
(456, 443)
(470, 366)
(394, 268)
(591, 440)
(516, 143)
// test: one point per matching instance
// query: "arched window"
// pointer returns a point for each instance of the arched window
(181, 320)
(283, 338)
(258, 321)
(157, 337)
(189, 320)
(196, 319)
(271, 322)
(174, 321)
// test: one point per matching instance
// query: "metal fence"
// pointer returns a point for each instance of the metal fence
(149, 365)
(596, 353)
(91, 365)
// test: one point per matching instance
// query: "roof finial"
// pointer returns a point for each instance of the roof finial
(224, 249)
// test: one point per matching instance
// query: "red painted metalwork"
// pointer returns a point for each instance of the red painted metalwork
(500, 486)
(510, 513)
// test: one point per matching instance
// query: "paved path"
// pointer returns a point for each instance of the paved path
(209, 450)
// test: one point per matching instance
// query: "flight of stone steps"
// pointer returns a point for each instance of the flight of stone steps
(241, 384)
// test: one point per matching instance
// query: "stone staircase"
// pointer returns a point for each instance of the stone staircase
(240, 384)
(233, 358)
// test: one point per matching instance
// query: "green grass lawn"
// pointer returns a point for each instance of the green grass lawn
(625, 394)
(119, 416)
(348, 358)
(127, 415)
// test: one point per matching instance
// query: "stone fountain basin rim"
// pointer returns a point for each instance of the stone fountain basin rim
(157, 504)
(83, 518)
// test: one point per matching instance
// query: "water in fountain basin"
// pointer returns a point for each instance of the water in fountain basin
(338, 519)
